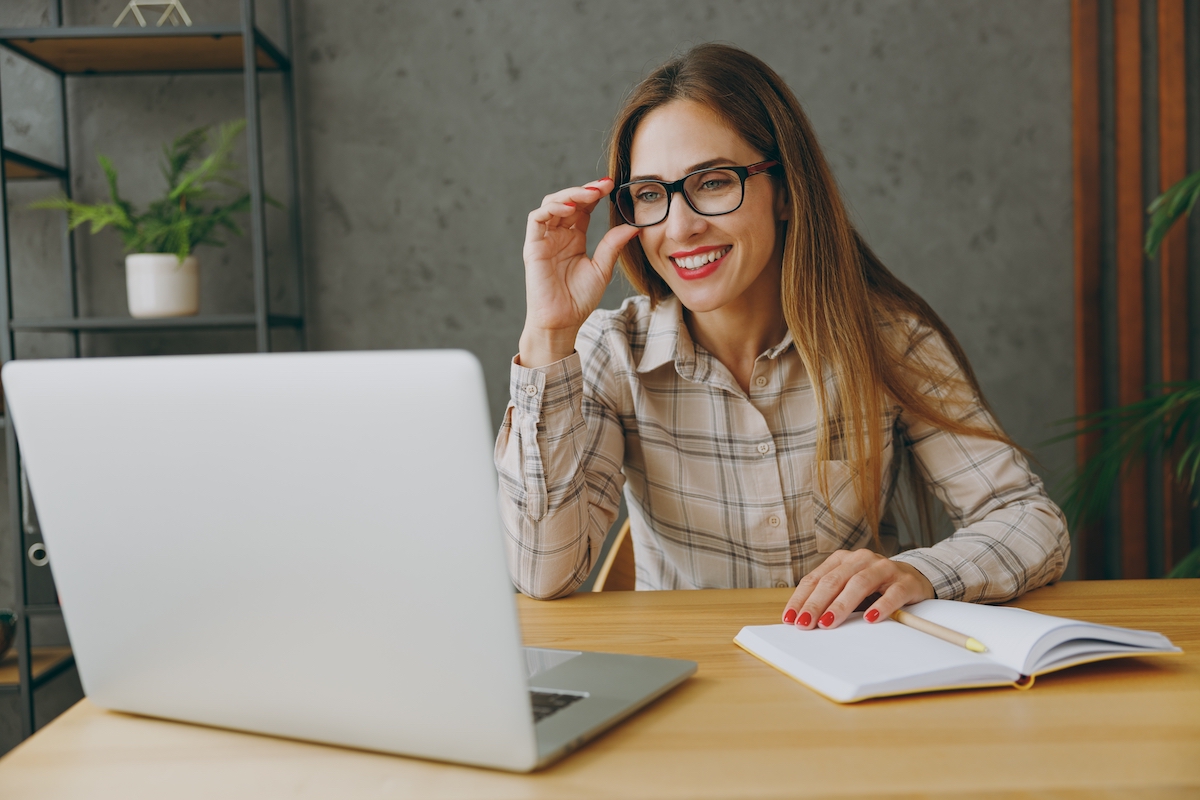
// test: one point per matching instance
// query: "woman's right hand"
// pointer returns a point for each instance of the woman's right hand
(562, 285)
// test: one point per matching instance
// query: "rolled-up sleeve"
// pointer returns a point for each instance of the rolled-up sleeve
(558, 455)
(1009, 536)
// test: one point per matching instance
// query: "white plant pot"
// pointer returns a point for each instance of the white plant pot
(159, 285)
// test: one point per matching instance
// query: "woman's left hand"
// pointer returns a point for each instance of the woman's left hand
(827, 595)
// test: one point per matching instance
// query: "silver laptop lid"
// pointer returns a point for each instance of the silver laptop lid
(305, 545)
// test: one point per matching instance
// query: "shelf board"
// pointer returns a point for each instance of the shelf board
(42, 608)
(47, 662)
(18, 166)
(118, 324)
(100, 50)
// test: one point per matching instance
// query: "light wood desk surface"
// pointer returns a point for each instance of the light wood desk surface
(737, 729)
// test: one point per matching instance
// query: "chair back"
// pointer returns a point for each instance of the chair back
(617, 573)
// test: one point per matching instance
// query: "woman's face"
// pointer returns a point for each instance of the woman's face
(682, 137)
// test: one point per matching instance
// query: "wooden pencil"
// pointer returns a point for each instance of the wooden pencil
(941, 632)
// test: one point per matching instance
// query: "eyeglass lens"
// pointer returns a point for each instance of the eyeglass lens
(710, 192)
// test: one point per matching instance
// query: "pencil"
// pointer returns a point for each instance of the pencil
(933, 629)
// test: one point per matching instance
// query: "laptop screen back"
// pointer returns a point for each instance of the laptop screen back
(305, 545)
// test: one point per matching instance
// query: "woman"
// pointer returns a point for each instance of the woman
(739, 469)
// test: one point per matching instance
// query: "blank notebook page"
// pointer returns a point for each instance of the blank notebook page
(885, 656)
(1020, 639)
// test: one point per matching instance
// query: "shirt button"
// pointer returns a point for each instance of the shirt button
(760, 381)
(774, 520)
(782, 584)
(764, 448)
(531, 390)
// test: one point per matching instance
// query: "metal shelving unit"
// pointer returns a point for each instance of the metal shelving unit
(111, 324)
(80, 52)
(18, 166)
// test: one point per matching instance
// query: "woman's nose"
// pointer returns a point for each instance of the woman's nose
(682, 221)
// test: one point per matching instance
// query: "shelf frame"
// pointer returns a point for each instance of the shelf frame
(133, 324)
(50, 663)
(65, 51)
(20, 167)
(22, 639)
(81, 52)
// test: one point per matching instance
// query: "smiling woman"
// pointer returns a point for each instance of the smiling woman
(747, 230)
(757, 399)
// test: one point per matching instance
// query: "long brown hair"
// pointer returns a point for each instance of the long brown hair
(839, 300)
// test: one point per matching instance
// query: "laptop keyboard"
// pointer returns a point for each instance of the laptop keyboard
(546, 703)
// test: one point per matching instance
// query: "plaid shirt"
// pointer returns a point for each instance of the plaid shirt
(721, 486)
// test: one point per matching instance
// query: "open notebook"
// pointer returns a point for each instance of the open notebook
(858, 660)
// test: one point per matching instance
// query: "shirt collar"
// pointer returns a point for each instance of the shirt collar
(668, 340)
(782, 347)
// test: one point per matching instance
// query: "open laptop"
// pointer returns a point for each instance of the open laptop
(305, 545)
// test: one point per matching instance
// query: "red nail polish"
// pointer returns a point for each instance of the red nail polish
(805, 620)
(606, 178)
(789, 616)
(568, 203)
(872, 615)
(826, 619)
(592, 188)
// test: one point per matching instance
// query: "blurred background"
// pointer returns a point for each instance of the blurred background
(428, 129)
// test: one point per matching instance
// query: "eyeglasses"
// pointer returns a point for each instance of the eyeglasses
(710, 192)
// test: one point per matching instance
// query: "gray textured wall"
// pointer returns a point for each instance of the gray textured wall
(430, 128)
(947, 123)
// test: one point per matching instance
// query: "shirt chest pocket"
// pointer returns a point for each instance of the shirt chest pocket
(839, 520)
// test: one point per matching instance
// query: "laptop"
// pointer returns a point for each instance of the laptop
(305, 545)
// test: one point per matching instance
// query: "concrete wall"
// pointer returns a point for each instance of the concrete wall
(429, 129)
(948, 125)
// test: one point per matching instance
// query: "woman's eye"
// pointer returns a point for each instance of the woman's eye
(715, 183)
(648, 196)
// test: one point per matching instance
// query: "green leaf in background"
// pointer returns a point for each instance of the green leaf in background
(1128, 433)
(1166, 422)
(1176, 202)
(192, 210)
(1189, 567)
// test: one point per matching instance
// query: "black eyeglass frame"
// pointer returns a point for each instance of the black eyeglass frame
(676, 187)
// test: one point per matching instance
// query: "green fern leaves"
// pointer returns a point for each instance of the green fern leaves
(1176, 202)
(191, 213)
(1163, 423)
(1128, 433)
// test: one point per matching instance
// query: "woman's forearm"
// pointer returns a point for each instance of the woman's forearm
(559, 457)
(1012, 550)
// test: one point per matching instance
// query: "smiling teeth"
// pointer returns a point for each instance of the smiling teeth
(696, 262)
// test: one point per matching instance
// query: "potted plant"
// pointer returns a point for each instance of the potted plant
(162, 274)
(1159, 423)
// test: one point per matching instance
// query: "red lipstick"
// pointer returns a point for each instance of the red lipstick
(699, 272)
(697, 251)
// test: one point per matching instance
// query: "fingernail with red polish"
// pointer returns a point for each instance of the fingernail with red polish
(568, 203)
(872, 615)
(592, 188)
(805, 620)
(826, 619)
(789, 616)
(605, 178)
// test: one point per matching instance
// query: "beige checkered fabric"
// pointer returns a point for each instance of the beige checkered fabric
(721, 486)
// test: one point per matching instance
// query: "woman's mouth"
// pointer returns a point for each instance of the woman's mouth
(700, 265)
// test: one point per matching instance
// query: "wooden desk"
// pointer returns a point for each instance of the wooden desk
(737, 729)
